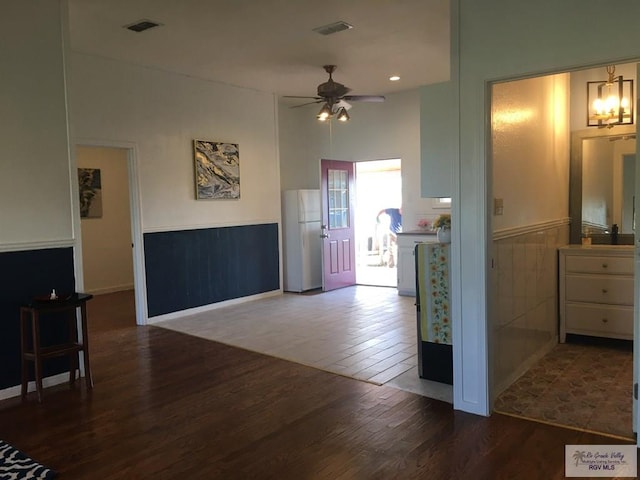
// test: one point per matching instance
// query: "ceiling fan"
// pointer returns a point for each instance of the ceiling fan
(335, 99)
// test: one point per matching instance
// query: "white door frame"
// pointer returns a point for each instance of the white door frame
(139, 279)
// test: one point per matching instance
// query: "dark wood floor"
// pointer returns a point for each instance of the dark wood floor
(170, 406)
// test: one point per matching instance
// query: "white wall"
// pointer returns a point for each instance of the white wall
(34, 164)
(376, 131)
(501, 39)
(530, 150)
(161, 114)
(106, 241)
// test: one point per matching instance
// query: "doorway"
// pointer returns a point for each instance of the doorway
(533, 375)
(105, 222)
(378, 187)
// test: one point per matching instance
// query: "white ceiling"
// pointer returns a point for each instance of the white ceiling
(270, 45)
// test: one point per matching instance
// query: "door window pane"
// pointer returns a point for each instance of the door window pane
(338, 181)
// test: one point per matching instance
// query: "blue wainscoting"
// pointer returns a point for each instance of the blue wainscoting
(191, 268)
(24, 275)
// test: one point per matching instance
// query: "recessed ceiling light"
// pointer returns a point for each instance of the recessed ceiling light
(394, 78)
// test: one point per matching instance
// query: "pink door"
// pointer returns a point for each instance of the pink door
(338, 246)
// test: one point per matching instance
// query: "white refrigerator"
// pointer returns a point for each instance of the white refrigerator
(301, 217)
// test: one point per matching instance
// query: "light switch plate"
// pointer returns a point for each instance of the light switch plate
(498, 206)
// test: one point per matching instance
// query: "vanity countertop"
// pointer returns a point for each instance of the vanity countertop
(599, 249)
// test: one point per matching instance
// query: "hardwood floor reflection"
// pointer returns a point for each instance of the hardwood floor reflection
(167, 405)
(111, 311)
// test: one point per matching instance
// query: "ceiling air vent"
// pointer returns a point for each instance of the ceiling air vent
(142, 25)
(333, 28)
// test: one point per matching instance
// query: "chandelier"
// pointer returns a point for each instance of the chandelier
(610, 102)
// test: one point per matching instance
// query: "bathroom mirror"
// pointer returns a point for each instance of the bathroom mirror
(602, 184)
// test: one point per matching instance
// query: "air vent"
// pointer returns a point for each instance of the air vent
(333, 28)
(142, 25)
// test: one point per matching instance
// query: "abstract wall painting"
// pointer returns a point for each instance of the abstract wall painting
(90, 187)
(217, 170)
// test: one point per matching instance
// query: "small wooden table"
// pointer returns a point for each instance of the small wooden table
(77, 341)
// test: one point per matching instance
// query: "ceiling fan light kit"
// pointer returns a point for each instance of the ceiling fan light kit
(324, 113)
(334, 97)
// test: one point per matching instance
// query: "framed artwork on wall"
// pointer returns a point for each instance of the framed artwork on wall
(90, 188)
(217, 170)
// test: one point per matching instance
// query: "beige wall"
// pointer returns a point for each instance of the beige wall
(530, 161)
(34, 162)
(530, 150)
(106, 241)
(161, 113)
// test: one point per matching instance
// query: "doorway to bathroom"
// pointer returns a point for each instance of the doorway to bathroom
(543, 187)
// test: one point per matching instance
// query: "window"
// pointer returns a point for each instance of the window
(442, 202)
(338, 198)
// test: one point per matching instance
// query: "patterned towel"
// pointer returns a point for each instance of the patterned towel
(433, 288)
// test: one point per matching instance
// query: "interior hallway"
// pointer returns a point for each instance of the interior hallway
(362, 332)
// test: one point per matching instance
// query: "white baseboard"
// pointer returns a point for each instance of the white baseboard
(31, 386)
(212, 306)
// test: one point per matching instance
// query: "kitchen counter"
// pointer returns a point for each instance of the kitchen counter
(418, 232)
(407, 242)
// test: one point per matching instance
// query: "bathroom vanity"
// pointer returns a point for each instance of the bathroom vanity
(596, 291)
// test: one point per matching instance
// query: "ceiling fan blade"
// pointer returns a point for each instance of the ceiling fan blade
(308, 103)
(364, 98)
(295, 96)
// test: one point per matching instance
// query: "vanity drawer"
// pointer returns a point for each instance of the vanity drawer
(610, 289)
(605, 265)
(606, 321)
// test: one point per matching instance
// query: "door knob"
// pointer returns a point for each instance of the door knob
(324, 235)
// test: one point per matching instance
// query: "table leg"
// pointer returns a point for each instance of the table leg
(72, 325)
(35, 329)
(24, 346)
(85, 343)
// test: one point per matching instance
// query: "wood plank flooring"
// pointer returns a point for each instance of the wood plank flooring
(363, 332)
(172, 406)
